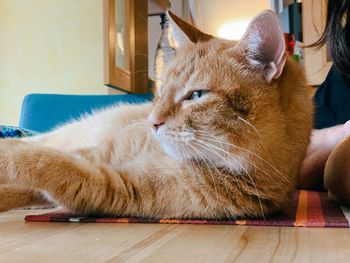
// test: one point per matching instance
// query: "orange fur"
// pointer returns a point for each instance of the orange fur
(235, 152)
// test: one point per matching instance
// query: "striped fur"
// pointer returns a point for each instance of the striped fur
(234, 152)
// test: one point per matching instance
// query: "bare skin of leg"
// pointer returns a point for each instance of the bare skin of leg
(323, 142)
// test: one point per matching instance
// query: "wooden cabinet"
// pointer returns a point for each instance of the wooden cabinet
(125, 46)
(126, 43)
(317, 61)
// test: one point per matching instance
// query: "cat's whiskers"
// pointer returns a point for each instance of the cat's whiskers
(228, 162)
(222, 142)
(228, 159)
(247, 173)
(207, 164)
(252, 181)
(253, 164)
(183, 149)
(214, 166)
(235, 176)
(198, 152)
(226, 152)
(179, 137)
(210, 167)
(188, 158)
(213, 138)
(250, 125)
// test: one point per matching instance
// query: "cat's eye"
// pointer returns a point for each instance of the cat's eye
(197, 94)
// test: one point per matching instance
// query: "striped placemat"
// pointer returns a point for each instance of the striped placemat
(307, 209)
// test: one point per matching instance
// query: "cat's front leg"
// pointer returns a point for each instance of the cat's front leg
(71, 181)
(14, 196)
(87, 188)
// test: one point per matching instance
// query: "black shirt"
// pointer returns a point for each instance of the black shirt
(332, 100)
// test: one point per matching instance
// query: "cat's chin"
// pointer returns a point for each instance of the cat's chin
(171, 151)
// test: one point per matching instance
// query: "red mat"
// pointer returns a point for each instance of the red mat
(307, 209)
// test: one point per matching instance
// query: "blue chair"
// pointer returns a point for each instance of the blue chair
(43, 112)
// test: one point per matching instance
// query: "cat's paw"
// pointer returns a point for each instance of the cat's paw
(5, 200)
(4, 207)
(14, 196)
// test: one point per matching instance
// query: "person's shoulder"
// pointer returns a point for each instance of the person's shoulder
(336, 78)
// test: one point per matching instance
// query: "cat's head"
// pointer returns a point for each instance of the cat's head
(217, 97)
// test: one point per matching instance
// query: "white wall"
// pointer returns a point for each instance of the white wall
(49, 46)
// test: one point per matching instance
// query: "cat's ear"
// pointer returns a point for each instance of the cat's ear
(182, 33)
(179, 34)
(263, 45)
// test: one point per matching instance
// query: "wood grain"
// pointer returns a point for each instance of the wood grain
(69, 242)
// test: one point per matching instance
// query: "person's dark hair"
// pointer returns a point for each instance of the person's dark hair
(337, 34)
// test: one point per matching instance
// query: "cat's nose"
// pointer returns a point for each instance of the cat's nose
(157, 124)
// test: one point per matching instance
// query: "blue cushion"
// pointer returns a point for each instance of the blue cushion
(43, 112)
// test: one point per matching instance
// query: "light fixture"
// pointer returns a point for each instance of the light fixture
(233, 30)
(225, 18)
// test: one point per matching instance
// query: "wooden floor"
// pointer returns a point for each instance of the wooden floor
(69, 242)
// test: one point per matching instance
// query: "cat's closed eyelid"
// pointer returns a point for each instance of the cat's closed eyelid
(181, 96)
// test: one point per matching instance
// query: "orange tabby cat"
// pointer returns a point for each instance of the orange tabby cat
(224, 138)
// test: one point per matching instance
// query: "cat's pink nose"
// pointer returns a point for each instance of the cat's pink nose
(157, 124)
(156, 121)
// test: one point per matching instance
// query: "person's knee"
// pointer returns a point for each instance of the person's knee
(337, 172)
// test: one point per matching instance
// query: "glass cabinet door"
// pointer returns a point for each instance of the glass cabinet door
(122, 35)
(125, 36)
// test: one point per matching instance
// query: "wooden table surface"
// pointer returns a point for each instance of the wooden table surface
(78, 242)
